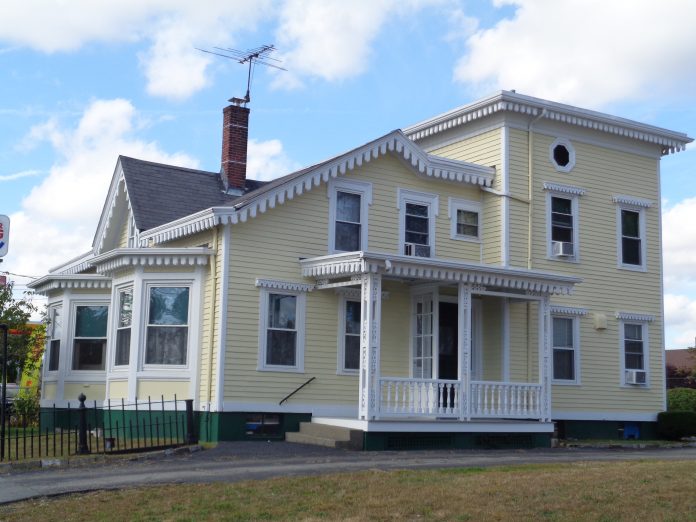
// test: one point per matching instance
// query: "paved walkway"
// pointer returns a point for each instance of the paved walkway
(235, 461)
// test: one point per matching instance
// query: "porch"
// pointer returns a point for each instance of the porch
(447, 385)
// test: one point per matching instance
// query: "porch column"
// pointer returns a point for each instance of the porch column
(370, 319)
(545, 357)
(464, 350)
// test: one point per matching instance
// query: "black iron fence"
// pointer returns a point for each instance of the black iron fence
(114, 427)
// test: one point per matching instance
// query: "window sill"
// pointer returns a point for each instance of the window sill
(467, 239)
(573, 259)
(632, 268)
(348, 373)
(282, 369)
(555, 382)
(635, 386)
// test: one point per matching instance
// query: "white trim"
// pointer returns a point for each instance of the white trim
(645, 338)
(631, 201)
(355, 294)
(564, 189)
(50, 282)
(643, 266)
(224, 282)
(121, 258)
(344, 297)
(439, 426)
(453, 206)
(338, 410)
(635, 317)
(604, 416)
(505, 202)
(361, 188)
(276, 284)
(511, 102)
(300, 307)
(575, 214)
(568, 310)
(563, 142)
(432, 201)
(575, 323)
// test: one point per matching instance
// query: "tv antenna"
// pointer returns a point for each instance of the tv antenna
(260, 55)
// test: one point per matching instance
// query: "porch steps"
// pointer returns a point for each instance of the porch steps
(325, 435)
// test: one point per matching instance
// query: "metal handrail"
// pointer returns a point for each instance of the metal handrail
(296, 390)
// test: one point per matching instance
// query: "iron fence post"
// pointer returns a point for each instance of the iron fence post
(190, 431)
(82, 448)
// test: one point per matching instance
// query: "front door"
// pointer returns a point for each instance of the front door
(448, 332)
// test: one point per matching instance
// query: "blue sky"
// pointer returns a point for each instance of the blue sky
(84, 81)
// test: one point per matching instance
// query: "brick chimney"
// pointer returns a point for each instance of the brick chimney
(235, 134)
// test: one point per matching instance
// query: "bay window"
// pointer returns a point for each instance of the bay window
(167, 326)
(89, 341)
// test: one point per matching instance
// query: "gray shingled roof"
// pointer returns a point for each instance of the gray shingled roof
(162, 193)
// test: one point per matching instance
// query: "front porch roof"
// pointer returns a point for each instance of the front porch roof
(433, 269)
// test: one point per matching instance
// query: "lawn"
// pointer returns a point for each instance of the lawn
(645, 490)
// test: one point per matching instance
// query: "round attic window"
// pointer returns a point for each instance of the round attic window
(562, 155)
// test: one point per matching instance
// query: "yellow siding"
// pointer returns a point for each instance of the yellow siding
(93, 391)
(519, 189)
(492, 338)
(123, 235)
(484, 149)
(118, 389)
(49, 390)
(210, 312)
(155, 389)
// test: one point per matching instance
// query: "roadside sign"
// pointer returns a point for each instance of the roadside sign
(4, 234)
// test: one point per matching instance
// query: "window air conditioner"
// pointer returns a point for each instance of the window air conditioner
(562, 249)
(635, 377)
(410, 249)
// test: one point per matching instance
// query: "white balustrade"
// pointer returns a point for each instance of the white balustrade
(505, 400)
(419, 397)
(441, 398)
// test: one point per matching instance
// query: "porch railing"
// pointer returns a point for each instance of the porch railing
(427, 397)
(404, 397)
(506, 400)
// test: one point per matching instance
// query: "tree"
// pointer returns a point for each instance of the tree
(15, 313)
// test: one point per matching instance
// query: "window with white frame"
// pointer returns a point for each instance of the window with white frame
(132, 232)
(167, 326)
(89, 339)
(281, 333)
(633, 329)
(348, 210)
(465, 219)
(565, 348)
(123, 327)
(630, 231)
(417, 213)
(55, 332)
(562, 221)
(349, 336)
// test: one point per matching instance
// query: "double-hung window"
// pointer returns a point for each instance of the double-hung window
(633, 329)
(562, 221)
(123, 327)
(349, 336)
(630, 231)
(348, 204)
(281, 332)
(465, 219)
(167, 325)
(564, 349)
(417, 213)
(89, 341)
(55, 334)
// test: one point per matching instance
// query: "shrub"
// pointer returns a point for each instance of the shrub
(673, 425)
(26, 407)
(681, 399)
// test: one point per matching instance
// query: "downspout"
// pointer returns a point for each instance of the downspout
(530, 156)
(211, 328)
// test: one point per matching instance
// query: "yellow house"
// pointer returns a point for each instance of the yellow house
(476, 279)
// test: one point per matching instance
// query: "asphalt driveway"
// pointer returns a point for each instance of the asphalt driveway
(236, 461)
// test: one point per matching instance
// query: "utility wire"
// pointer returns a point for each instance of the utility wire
(18, 275)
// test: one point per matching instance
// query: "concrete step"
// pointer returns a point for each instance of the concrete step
(326, 435)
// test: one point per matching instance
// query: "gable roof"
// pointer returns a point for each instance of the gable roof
(287, 187)
(510, 101)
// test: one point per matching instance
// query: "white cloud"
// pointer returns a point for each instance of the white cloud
(58, 217)
(19, 175)
(679, 238)
(680, 320)
(586, 52)
(332, 40)
(172, 28)
(266, 160)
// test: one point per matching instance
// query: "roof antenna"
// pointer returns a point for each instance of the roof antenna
(252, 57)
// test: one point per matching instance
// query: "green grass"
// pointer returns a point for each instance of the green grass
(646, 490)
